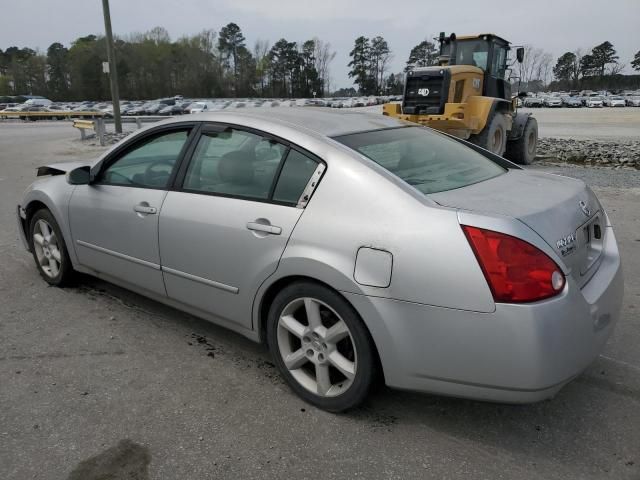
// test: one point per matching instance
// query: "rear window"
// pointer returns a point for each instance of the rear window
(428, 161)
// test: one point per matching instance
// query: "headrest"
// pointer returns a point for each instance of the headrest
(237, 167)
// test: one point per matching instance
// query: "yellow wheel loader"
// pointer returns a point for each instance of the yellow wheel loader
(468, 96)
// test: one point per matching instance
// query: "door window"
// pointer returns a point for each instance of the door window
(295, 175)
(235, 163)
(149, 164)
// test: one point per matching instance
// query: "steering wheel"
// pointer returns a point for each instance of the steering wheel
(151, 177)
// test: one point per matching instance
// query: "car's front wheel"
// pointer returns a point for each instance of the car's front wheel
(49, 250)
(321, 346)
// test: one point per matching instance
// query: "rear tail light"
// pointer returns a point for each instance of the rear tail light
(515, 270)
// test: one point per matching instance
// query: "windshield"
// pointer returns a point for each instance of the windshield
(428, 161)
(472, 52)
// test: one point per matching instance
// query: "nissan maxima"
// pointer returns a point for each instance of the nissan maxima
(358, 247)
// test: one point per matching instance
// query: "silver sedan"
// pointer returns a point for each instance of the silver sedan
(358, 247)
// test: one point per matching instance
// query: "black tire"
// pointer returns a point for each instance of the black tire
(494, 135)
(364, 360)
(523, 150)
(65, 273)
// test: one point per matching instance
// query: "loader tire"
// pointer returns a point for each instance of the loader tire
(523, 150)
(494, 135)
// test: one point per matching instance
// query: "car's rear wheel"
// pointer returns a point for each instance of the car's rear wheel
(321, 346)
(49, 250)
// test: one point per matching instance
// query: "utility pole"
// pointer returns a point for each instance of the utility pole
(113, 72)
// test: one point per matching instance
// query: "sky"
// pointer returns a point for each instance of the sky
(556, 26)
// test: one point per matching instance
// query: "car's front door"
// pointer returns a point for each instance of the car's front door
(225, 226)
(114, 220)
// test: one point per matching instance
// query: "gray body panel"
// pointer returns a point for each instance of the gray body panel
(207, 237)
(432, 317)
(110, 237)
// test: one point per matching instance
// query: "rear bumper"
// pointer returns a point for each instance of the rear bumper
(516, 354)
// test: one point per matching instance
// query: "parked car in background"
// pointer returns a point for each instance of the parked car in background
(82, 111)
(33, 109)
(594, 102)
(632, 101)
(176, 109)
(552, 102)
(38, 102)
(154, 108)
(572, 102)
(533, 102)
(56, 109)
(614, 101)
(199, 107)
(135, 110)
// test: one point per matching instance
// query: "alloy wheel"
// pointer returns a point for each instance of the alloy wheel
(317, 347)
(45, 243)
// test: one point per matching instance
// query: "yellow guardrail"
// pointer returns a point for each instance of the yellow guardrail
(95, 125)
(84, 124)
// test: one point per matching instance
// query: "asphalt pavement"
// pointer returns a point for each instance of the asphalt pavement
(98, 381)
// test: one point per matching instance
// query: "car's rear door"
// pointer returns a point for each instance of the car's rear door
(114, 220)
(224, 227)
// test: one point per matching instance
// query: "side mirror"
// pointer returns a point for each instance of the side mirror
(79, 176)
(522, 94)
(520, 54)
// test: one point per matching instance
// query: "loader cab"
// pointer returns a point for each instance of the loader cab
(485, 51)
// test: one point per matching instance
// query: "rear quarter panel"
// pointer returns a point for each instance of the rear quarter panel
(359, 204)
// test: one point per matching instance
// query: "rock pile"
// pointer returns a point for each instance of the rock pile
(110, 138)
(589, 152)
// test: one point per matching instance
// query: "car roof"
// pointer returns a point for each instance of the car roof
(323, 122)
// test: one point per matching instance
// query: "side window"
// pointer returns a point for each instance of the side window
(149, 164)
(234, 162)
(499, 54)
(294, 177)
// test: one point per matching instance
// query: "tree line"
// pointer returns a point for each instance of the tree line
(210, 64)
(151, 65)
(597, 68)
(370, 59)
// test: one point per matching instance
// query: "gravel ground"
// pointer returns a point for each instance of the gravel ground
(622, 178)
(97, 380)
(622, 153)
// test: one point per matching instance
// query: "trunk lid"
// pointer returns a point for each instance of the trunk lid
(563, 211)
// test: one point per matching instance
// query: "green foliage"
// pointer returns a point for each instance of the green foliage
(425, 54)
(380, 55)
(58, 71)
(361, 66)
(565, 67)
(635, 63)
(601, 56)
(395, 84)
(151, 65)
(345, 92)
(232, 51)
(587, 66)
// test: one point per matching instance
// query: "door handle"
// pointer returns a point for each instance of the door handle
(261, 227)
(146, 209)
